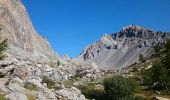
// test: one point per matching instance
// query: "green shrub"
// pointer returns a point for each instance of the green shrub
(138, 98)
(30, 97)
(58, 63)
(2, 97)
(96, 94)
(3, 47)
(156, 74)
(91, 93)
(147, 78)
(167, 45)
(50, 83)
(119, 87)
(77, 74)
(141, 58)
(68, 83)
(157, 50)
(55, 64)
(116, 88)
(30, 87)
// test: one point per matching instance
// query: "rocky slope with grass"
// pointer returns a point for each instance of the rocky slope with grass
(123, 48)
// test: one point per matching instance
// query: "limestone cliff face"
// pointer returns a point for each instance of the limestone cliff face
(24, 41)
(123, 48)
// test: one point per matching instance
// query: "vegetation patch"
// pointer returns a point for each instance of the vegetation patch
(3, 47)
(115, 88)
(55, 64)
(50, 83)
(68, 83)
(91, 93)
(30, 97)
(157, 78)
(2, 97)
(30, 87)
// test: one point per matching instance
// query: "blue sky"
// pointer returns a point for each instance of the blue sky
(70, 25)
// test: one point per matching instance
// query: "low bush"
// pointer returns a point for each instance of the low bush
(68, 83)
(50, 83)
(3, 47)
(2, 97)
(30, 87)
(30, 97)
(91, 93)
(115, 88)
(119, 87)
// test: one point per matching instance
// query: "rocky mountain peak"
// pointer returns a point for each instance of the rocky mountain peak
(122, 48)
(134, 31)
(133, 27)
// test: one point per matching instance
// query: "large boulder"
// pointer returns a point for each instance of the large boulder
(16, 96)
(14, 87)
(89, 71)
(46, 94)
(70, 94)
(36, 81)
(5, 63)
(3, 89)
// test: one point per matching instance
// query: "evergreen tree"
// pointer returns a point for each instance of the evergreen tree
(166, 62)
(168, 45)
(157, 50)
(156, 74)
(141, 58)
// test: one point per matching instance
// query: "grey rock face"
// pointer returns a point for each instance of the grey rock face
(24, 41)
(70, 94)
(16, 96)
(46, 94)
(5, 63)
(3, 89)
(15, 87)
(123, 48)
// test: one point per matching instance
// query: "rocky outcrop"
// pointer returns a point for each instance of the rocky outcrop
(24, 41)
(123, 48)
(89, 71)
(70, 94)
(16, 96)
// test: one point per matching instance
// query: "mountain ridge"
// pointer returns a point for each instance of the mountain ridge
(122, 49)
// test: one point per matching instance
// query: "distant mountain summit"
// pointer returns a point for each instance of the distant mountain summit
(123, 48)
(24, 41)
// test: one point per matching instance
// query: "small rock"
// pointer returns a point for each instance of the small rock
(76, 84)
